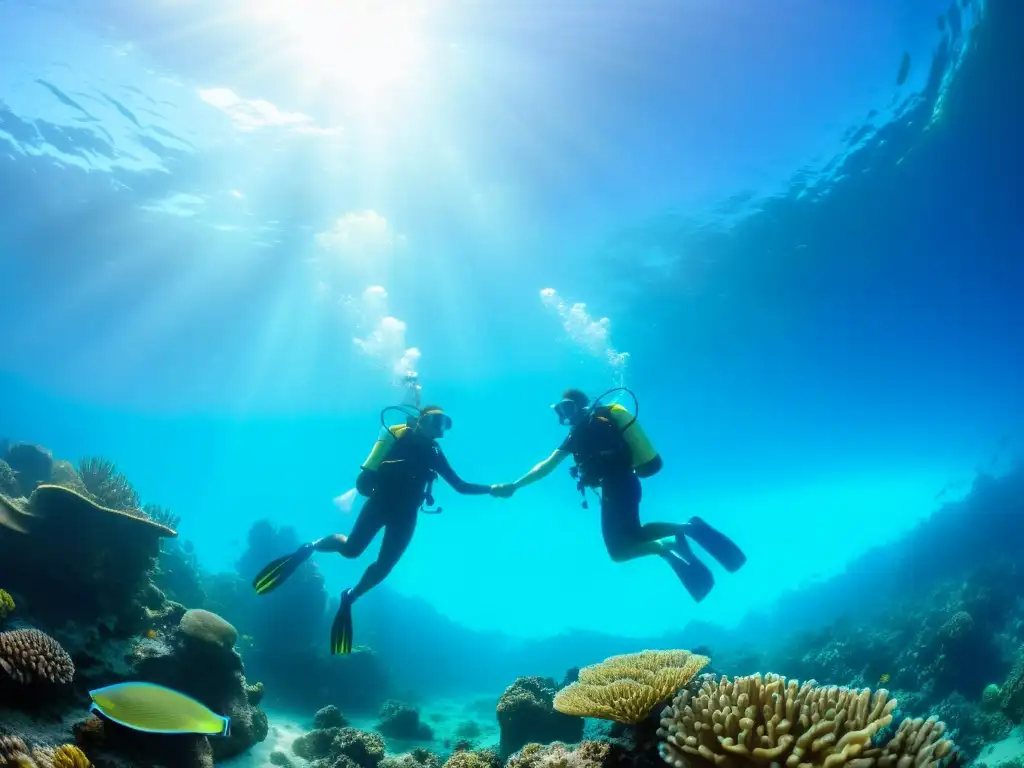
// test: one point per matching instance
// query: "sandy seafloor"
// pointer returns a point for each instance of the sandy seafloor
(444, 716)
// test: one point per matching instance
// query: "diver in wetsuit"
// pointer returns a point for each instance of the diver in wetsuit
(612, 453)
(397, 477)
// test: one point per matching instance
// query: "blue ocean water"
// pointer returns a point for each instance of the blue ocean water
(229, 228)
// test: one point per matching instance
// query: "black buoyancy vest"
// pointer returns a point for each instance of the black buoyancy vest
(599, 449)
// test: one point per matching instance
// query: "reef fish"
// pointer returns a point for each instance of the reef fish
(152, 708)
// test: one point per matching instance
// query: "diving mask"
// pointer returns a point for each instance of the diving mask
(438, 420)
(566, 410)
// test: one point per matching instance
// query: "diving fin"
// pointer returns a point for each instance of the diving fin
(275, 573)
(696, 576)
(341, 630)
(715, 543)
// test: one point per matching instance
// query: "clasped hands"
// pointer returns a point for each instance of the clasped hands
(503, 491)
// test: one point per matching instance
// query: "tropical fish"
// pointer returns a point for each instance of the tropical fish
(884, 678)
(153, 708)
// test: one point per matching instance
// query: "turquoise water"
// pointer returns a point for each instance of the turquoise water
(229, 229)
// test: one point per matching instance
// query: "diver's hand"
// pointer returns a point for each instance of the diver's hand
(502, 491)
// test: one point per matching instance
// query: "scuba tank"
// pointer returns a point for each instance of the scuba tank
(409, 407)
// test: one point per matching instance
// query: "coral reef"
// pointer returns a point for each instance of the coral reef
(31, 464)
(400, 721)
(288, 628)
(8, 480)
(178, 574)
(769, 720)
(328, 746)
(417, 758)
(526, 714)
(588, 754)
(199, 660)
(105, 558)
(484, 758)
(329, 717)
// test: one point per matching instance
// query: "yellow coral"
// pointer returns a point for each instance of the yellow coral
(627, 687)
(769, 721)
(6, 604)
(916, 743)
(70, 756)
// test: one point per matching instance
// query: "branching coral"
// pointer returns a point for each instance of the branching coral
(162, 515)
(27, 655)
(762, 721)
(6, 604)
(626, 688)
(107, 485)
(14, 752)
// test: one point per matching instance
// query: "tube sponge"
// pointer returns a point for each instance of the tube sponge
(27, 655)
(627, 687)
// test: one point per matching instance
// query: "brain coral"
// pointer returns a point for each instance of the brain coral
(208, 627)
(27, 655)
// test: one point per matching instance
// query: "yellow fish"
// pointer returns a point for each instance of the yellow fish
(884, 678)
(152, 708)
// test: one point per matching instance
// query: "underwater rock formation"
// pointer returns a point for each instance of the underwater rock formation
(31, 464)
(329, 717)
(289, 628)
(483, 758)
(177, 574)
(200, 660)
(526, 714)
(330, 747)
(401, 721)
(97, 559)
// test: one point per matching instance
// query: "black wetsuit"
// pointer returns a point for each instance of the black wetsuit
(604, 460)
(396, 492)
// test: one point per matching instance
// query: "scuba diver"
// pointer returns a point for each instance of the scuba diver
(612, 453)
(397, 479)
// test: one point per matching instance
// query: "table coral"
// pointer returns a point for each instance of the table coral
(627, 687)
